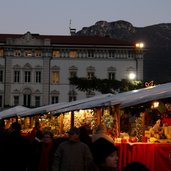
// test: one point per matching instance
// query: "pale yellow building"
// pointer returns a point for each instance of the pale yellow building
(35, 69)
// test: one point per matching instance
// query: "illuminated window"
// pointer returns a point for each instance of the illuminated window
(17, 52)
(73, 54)
(56, 53)
(55, 77)
(28, 53)
(38, 53)
(1, 52)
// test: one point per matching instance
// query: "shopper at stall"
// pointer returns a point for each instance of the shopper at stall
(101, 131)
(36, 129)
(105, 156)
(72, 155)
(35, 152)
(42, 152)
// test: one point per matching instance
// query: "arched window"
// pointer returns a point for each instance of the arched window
(27, 97)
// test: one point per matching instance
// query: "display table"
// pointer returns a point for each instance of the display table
(154, 155)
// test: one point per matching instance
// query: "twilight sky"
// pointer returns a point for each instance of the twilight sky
(53, 16)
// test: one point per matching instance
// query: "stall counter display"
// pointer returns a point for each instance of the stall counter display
(81, 117)
(47, 122)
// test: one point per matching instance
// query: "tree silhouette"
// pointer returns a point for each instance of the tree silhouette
(105, 86)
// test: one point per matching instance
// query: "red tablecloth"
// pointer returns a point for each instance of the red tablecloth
(154, 156)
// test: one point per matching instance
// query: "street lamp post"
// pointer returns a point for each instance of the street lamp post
(139, 47)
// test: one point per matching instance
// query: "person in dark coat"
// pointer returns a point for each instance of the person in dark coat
(42, 151)
(105, 156)
(35, 151)
(3, 145)
(84, 136)
(18, 149)
(72, 155)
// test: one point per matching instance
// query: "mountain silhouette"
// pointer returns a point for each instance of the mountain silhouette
(156, 38)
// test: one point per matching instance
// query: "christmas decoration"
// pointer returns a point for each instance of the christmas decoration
(108, 120)
(139, 128)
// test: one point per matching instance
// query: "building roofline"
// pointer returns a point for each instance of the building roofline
(70, 40)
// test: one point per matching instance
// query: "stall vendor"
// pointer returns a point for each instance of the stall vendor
(157, 130)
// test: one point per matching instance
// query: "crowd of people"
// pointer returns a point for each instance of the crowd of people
(42, 152)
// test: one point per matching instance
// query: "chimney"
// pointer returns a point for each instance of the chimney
(72, 31)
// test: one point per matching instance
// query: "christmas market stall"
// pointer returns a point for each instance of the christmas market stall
(149, 142)
(59, 117)
(12, 111)
(11, 114)
(139, 122)
(114, 110)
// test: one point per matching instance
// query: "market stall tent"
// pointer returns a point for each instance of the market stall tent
(120, 100)
(13, 111)
(92, 102)
(144, 95)
(61, 107)
(65, 106)
(124, 99)
(40, 110)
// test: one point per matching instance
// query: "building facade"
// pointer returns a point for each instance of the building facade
(35, 69)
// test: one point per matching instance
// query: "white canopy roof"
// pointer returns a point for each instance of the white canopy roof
(125, 99)
(91, 102)
(143, 95)
(66, 106)
(13, 111)
(40, 110)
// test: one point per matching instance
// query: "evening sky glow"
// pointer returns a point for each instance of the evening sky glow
(53, 16)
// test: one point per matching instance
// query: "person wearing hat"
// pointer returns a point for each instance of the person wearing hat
(105, 156)
(72, 155)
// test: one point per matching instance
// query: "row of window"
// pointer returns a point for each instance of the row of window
(74, 53)
(27, 76)
(27, 98)
(55, 76)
